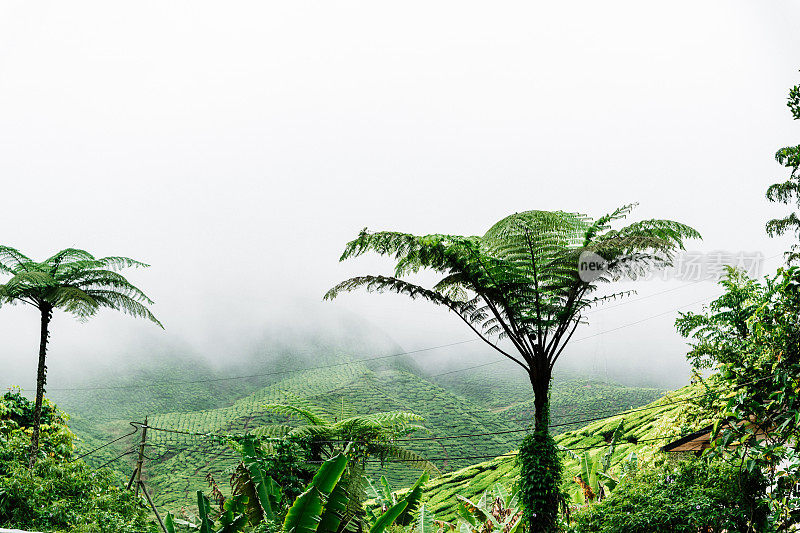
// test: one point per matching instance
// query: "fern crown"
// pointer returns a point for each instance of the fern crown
(74, 281)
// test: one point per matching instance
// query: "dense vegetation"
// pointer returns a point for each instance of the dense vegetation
(181, 462)
(59, 492)
(317, 449)
(73, 281)
(686, 498)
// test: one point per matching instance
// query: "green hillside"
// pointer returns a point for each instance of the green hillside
(177, 463)
(646, 430)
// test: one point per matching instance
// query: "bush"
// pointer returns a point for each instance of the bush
(57, 495)
(16, 421)
(684, 498)
(62, 496)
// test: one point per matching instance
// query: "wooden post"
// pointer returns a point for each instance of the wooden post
(152, 505)
(140, 460)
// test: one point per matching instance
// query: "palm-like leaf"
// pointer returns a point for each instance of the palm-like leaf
(74, 281)
(387, 518)
(521, 280)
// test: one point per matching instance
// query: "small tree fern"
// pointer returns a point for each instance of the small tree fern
(372, 436)
(522, 280)
(76, 282)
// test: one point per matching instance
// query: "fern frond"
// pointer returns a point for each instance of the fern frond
(297, 412)
(410, 458)
(12, 260)
(122, 302)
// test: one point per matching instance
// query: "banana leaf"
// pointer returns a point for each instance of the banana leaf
(305, 514)
(586, 461)
(169, 524)
(465, 513)
(388, 518)
(478, 513)
(501, 492)
(388, 495)
(608, 481)
(345, 499)
(233, 518)
(261, 490)
(413, 498)
(593, 479)
(606, 462)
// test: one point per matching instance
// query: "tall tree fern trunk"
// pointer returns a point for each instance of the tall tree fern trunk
(540, 381)
(41, 378)
(540, 464)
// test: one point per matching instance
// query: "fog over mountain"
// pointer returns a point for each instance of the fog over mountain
(237, 148)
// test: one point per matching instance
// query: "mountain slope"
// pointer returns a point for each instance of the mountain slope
(177, 461)
(646, 430)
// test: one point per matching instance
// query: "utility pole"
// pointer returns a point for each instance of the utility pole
(140, 460)
(137, 476)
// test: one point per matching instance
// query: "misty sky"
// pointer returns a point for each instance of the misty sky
(237, 146)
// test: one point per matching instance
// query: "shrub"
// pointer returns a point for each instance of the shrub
(68, 496)
(57, 494)
(685, 498)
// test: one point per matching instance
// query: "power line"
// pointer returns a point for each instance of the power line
(120, 456)
(90, 452)
(417, 439)
(266, 374)
(334, 365)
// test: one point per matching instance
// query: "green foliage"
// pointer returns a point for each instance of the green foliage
(424, 522)
(522, 281)
(539, 482)
(389, 517)
(496, 510)
(644, 432)
(72, 280)
(752, 334)
(594, 477)
(684, 499)
(474, 406)
(67, 496)
(788, 191)
(76, 282)
(16, 422)
(385, 498)
(261, 494)
(371, 435)
(57, 493)
(306, 513)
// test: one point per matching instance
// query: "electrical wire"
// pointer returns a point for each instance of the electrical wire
(90, 452)
(334, 365)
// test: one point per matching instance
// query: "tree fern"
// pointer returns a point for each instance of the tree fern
(73, 281)
(521, 281)
(373, 436)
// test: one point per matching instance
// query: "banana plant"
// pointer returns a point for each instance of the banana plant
(594, 477)
(425, 522)
(385, 498)
(496, 510)
(261, 494)
(325, 506)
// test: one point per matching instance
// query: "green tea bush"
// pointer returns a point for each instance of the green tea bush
(686, 498)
